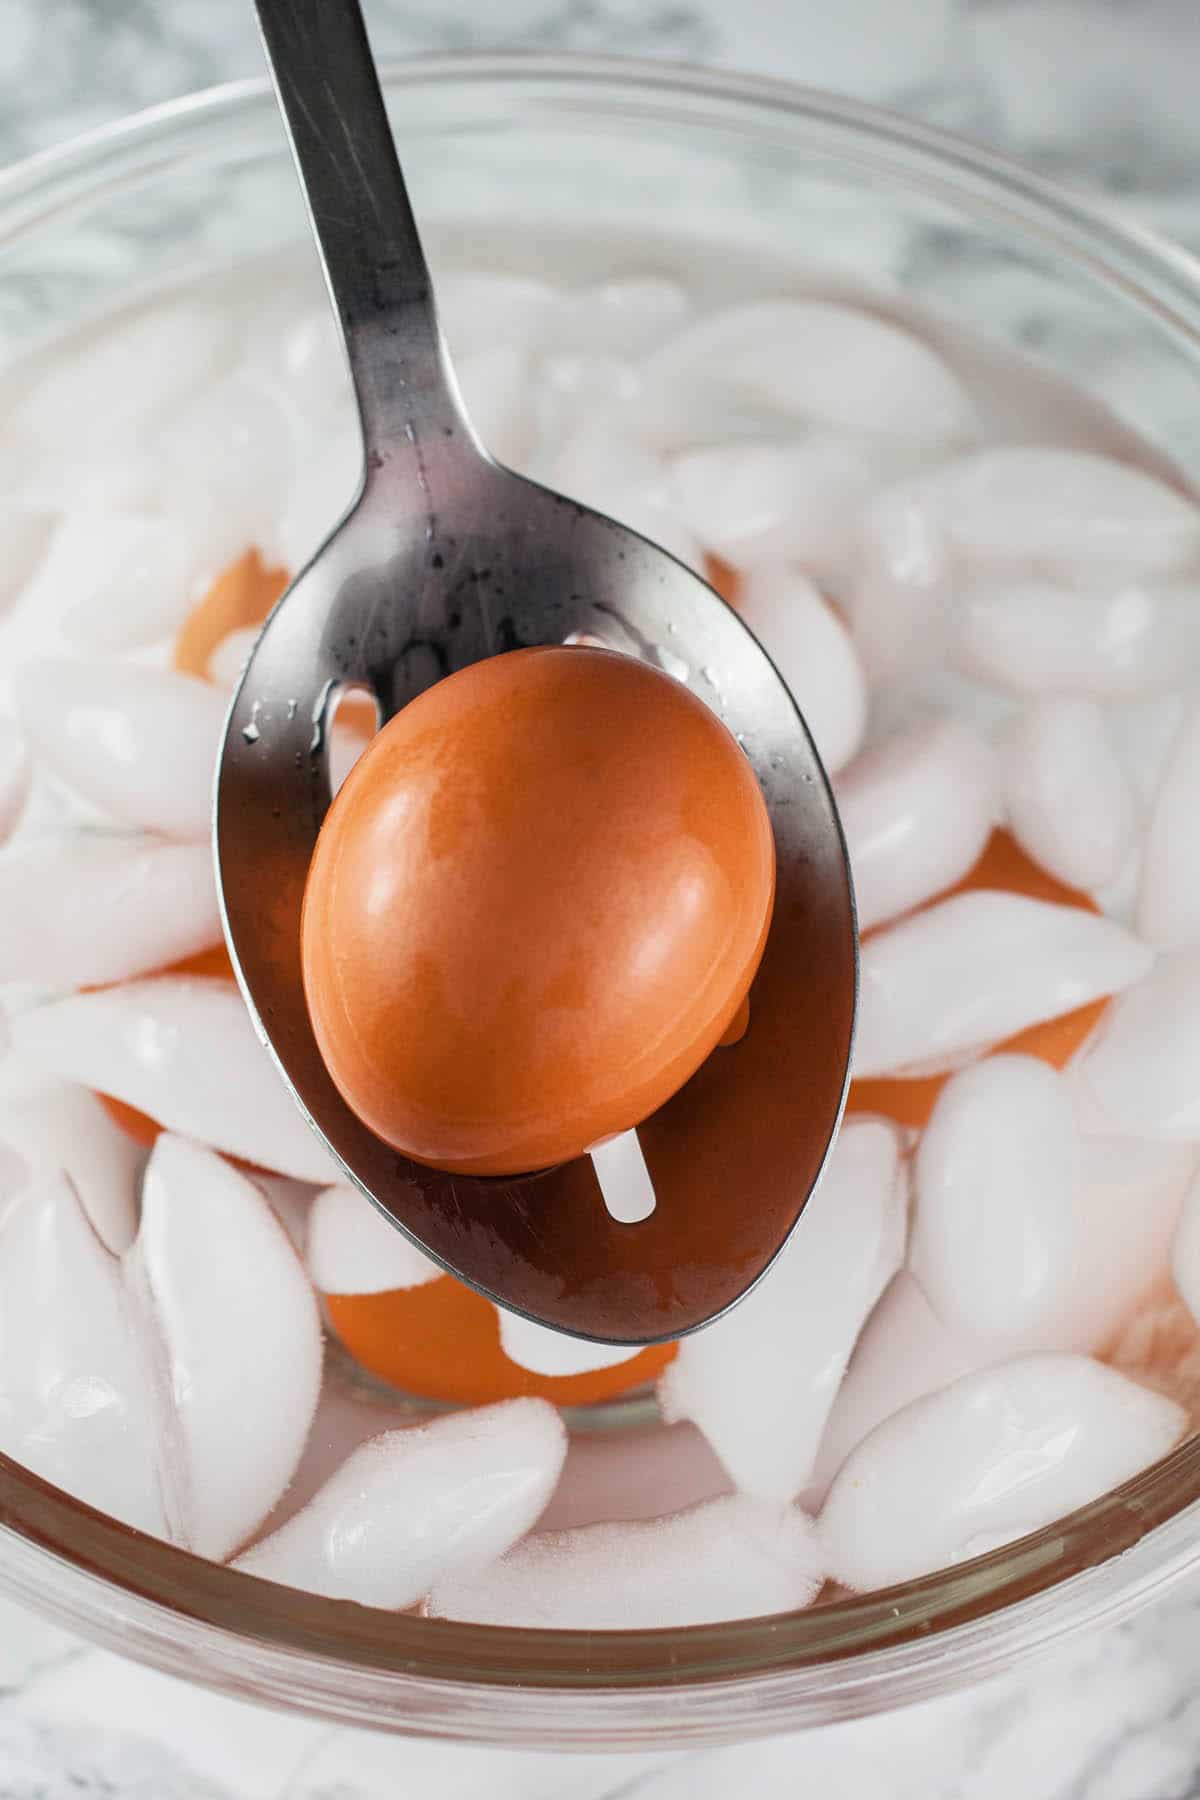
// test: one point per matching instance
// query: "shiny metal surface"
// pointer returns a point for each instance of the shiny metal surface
(446, 558)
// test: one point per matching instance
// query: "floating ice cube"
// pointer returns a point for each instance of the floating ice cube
(996, 1225)
(730, 1558)
(1129, 1197)
(15, 772)
(1143, 734)
(1070, 513)
(25, 532)
(626, 481)
(1114, 642)
(109, 580)
(553, 1352)
(1069, 802)
(1185, 1252)
(231, 655)
(296, 345)
(769, 502)
(420, 1506)
(760, 1382)
(898, 592)
(183, 1050)
(141, 743)
(292, 1203)
(353, 1249)
(995, 1455)
(118, 580)
(577, 384)
(239, 1325)
(76, 1397)
(1144, 1065)
(975, 969)
(85, 909)
(346, 745)
(1168, 908)
(141, 370)
(626, 1185)
(227, 462)
(819, 361)
(903, 1353)
(319, 495)
(495, 386)
(813, 652)
(59, 1128)
(917, 810)
(479, 309)
(623, 317)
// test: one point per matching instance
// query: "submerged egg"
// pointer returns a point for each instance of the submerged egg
(534, 909)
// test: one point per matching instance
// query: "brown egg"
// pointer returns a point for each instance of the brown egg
(534, 908)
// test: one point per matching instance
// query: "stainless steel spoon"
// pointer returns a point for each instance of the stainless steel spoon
(445, 558)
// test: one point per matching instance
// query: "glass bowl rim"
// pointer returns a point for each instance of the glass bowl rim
(457, 1680)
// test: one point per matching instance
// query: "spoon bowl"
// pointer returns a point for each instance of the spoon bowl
(443, 559)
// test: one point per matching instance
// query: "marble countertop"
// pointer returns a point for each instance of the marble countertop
(1100, 92)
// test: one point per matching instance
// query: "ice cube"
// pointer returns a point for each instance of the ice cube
(730, 1558)
(814, 653)
(227, 462)
(495, 386)
(1143, 734)
(760, 1382)
(973, 970)
(15, 772)
(625, 1182)
(623, 317)
(898, 593)
(553, 1352)
(917, 810)
(76, 1398)
(903, 1353)
(755, 503)
(90, 908)
(819, 361)
(1069, 513)
(25, 532)
(138, 371)
(231, 655)
(182, 1049)
(1069, 802)
(353, 1249)
(1168, 907)
(346, 745)
(581, 384)
(1185, 1252)
(627, 482)
(1130, 1195)
(1144, 1064)
(479, 309)
(297, 346)
(140, 743)
(242, 1337)
(117, 580)
(317, 499)
(997, 1454)
(58, 1128)
(996, 1226)
(1119, 641)
(420, 1506)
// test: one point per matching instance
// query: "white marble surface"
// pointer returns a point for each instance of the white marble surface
(1101, 91)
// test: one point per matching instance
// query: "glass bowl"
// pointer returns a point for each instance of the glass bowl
(754, 169)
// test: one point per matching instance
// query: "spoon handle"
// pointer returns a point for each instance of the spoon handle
(375, 268)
